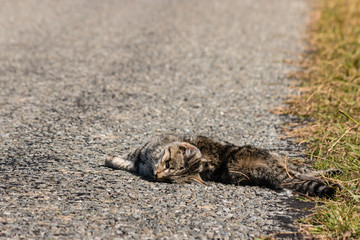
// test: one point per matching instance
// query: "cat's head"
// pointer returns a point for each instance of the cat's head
(179, 162)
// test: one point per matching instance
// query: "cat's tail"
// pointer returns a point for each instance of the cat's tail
(315, 187)
(119, 162)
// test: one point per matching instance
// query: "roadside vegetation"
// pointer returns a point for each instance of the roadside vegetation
(329, 100)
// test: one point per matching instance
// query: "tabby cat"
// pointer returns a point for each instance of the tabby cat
(184, 159)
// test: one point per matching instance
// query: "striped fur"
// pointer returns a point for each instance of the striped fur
(183, 159)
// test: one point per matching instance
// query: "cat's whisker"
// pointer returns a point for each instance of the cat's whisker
(241, 174)
(198, 179)
(289, 183)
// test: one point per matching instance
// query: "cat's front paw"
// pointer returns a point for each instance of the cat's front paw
(109, 160)
(119, 162)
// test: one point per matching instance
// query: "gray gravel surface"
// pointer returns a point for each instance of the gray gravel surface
(80, 80)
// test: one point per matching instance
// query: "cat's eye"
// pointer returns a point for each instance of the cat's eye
(167, 164)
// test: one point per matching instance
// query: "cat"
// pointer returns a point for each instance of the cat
(178, 159)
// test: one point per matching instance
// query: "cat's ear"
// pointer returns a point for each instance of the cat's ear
(188, 150)
(196, 177)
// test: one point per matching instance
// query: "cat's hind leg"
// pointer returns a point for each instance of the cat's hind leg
(312, 187)
(276, 176)
(119, 162)
(332, 172)
(307, 181)
(328, 173)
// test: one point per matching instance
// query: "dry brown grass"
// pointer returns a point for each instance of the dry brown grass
(330, 96)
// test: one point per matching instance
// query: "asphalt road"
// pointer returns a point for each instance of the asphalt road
(80, 80)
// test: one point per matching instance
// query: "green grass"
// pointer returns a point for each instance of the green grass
(330, 95)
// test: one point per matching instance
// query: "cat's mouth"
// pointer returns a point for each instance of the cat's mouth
(160, 174)
(161, 179)
(192, 178)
